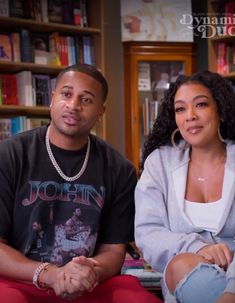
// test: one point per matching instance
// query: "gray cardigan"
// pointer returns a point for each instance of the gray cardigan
(162, 229)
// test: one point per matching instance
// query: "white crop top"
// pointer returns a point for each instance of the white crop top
(205, 215)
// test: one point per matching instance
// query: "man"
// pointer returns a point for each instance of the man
(48, 175)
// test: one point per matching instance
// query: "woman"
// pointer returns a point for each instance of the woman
(185, 198)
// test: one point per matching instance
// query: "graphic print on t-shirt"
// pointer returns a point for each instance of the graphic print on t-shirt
(64, 220)
(74, 238)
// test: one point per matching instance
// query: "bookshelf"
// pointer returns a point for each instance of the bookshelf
(10, 24)
(148, 68)
(221, 46)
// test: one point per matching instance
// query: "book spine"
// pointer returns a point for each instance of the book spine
(9, 89)
(26, 49)
(15, 46)
(25, 91)
(44, 10)
(54, 46)
(79, 49)
(84, 13)
(42, 88)
(77, 15)
(4, 8)
(67, 12)
(5, 48)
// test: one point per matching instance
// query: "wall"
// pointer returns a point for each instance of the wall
(114, 73)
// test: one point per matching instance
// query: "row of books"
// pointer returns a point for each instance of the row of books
(25, 88)
(225, 57)
(54, 49)
(15, 125)
(149, 114)
(59, 11)
(142, 270)
(226, 11)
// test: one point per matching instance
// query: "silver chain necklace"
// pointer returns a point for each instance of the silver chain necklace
(56, 165)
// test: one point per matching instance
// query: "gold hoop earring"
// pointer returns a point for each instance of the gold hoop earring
(220, 137)
(180, 147)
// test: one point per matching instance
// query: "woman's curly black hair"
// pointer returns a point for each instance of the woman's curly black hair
(223, 93)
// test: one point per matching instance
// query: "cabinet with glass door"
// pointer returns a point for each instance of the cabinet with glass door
(150, 67)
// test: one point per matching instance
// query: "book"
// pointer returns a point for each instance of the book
(88, 50)
(63, 50)
(41, 86)
(24, 85)
(54, 47)
(44, 10)
(40, 44)
(9, 89)
(142, 270)
(36, 122)
(144, 78)
(18, 124)
(84, 13)
(20, 8)
(79, 49)
(5, 47)
(222, 58)
(15, 47)
(37, 10)
(67, 11)
(77, 13)
(4, 8)
(71, 50)
(229, 13)
(55, 11)
(26, 49)
(16, 8)
(129, 262)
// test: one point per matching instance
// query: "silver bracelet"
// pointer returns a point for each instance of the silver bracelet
(37, 273)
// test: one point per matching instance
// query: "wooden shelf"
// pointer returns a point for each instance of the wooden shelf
(222, 39)
(46, 27)
(19, 110)
(13, 67)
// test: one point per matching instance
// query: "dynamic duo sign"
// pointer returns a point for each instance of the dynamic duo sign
(210, 26)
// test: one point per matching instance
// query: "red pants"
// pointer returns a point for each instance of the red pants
(119, 289)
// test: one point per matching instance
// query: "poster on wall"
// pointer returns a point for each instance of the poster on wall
(155, 20)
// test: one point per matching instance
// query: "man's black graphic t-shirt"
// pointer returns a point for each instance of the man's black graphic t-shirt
(52, 220)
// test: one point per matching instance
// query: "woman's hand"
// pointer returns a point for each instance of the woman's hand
(219, 254)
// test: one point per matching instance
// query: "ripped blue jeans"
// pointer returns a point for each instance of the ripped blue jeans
(207, 277)
(205, 284)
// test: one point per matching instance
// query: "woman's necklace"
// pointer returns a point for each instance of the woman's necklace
(201, 179)
(211, 174)
(56, 165)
